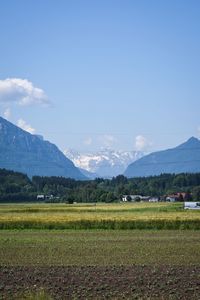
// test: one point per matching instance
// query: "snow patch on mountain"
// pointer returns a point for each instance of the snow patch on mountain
(106, 163)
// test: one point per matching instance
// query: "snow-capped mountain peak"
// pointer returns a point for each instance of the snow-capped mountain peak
(106, 162)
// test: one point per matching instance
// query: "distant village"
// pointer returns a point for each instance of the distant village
(176, 197)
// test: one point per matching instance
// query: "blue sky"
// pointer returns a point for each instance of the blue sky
(92, 74)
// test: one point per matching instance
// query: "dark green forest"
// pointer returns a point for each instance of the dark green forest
(18, 187)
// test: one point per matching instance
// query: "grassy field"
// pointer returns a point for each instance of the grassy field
(99, 264)
(79, 259)
(99, 216)
(98, 248)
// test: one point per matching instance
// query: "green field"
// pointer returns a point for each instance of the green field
(99, 216)
(99, 248)
(87, 255)
(78, 229)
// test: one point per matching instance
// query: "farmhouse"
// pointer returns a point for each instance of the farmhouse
(40, 197)
(153, 199)
(180, 196)
(126, 198)
(43, 197)
(171, 198)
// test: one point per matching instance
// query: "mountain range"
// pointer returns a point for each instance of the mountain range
(184, 158)
(105, 163)
(30, 154)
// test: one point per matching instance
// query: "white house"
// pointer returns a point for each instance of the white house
(135, 197)
(154, 199)
(40, 197)
(43, 197)
(171, 199)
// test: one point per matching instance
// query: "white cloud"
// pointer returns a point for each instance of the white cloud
(141, 143)
(107, 140)
(22, 92)
(7, 114)
(88, 141)
(22, 124)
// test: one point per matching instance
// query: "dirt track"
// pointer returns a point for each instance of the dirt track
(134, 282)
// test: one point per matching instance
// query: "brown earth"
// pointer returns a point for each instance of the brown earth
(92, 282)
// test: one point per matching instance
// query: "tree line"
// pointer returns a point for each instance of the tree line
(18, 187)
